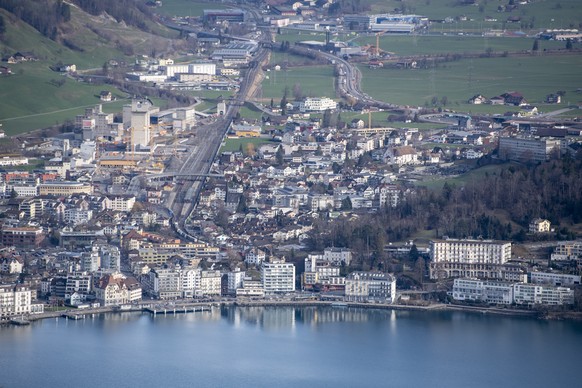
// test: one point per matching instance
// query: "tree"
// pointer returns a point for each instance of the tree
(297, 92)
(569, 44)
(536, 45)
(2, 25)
(242, 205)
(346, 204)
(279, 155)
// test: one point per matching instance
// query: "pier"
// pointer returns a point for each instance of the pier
(177, 309)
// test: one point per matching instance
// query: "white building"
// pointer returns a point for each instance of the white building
(121, 203)
(337, 256)
(255, 256)
(467, 258)
(555, 279)
(370, 287)
(210, 283)
(508, 293)
(538, 294)
(483, 290)
(278, 276)
(78, 281)
(14, 301)
(117, 289)
(539, 225)
(251, 288)
(313, 104)
(235, 280)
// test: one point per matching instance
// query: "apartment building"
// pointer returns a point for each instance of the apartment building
(467, 258)
(278, 276)
(370, 287)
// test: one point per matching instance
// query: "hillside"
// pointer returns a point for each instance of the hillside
(86, 40)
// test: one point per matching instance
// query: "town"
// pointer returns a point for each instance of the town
(152, 208)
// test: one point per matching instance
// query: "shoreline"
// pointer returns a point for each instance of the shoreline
(182, 308)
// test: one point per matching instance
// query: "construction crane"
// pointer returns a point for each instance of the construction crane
(378, 34)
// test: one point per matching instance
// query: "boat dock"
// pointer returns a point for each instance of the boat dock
(177, 309)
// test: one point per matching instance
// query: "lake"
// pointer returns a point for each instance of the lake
(292, 347)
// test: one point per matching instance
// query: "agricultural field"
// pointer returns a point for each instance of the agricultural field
(316, 81)
(533, 76)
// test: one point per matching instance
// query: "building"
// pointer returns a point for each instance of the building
(121, 203)
(278, 276)
(337, 256)
(567, 250)
(136, 120)
(78, 281)
(64, 188)
(539, 225)
(508, 293)
(255, 256)
(532, 294)
(376, 287)
(14, 301)
(251, 289)
(488, 291)
(234, 281)
(527, 149)
(313, 104)
(467, 258)
(22, 237)
(555, 279)
(117, 289)
(210, 283)
(222, 15)
(321, 275)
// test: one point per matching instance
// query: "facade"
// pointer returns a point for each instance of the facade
(22, 237)
(508, 293)
(527, 149)
(467, 258)
(117, 289)
(235, 280)
(488, 291)
(210, 283)
(337, 256)
(538, 294)
(278, 276)
(539, 225)
(567, 250)
(312, 104)
(251, 288)
(14, 301)
(376, 287)
(555, 279)
(64, 188)
(79, 282)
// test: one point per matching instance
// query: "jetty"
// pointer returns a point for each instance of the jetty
(177, 309)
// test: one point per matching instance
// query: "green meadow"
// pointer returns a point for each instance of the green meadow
(533, 76)
(316, 81)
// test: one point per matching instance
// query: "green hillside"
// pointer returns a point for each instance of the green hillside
(34, 96)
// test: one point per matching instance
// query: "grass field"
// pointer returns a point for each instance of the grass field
(316, 81)
(188, 7)
(426, 44)
(534, 77)
(539, 13)
(461, 180)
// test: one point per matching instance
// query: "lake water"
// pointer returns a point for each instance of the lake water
(292, 347)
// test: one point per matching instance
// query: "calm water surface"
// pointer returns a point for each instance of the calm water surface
(292, 347)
